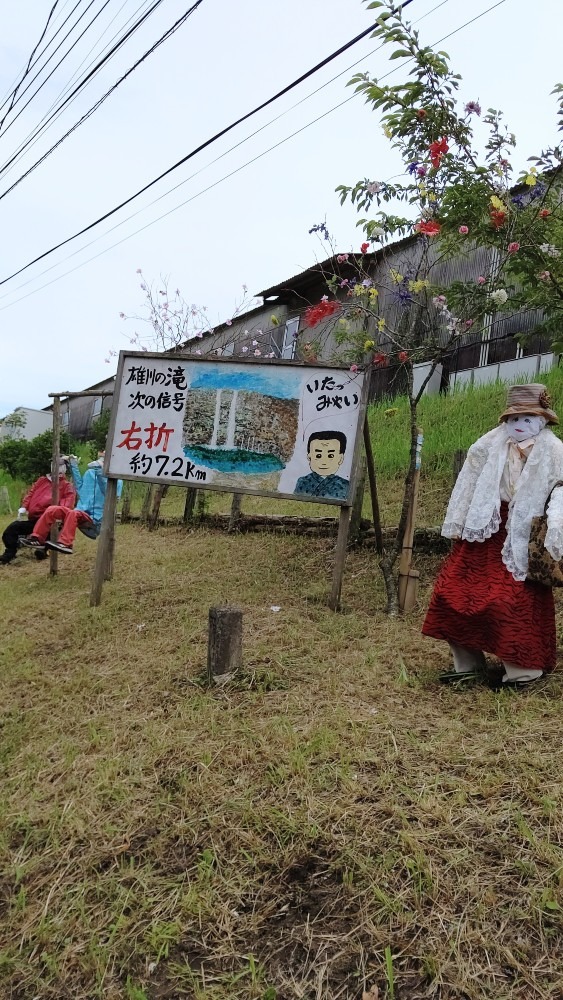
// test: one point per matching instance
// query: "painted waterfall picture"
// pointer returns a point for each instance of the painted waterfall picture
(273, 429)
(242, 422)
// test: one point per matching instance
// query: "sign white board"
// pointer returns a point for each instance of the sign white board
(269, 428)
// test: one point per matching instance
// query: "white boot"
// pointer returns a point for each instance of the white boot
(519, 675)
(466, 660)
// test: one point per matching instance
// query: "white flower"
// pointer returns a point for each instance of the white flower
(549, 250)
(377, 232)
(373, 188)
(257, 353)
(499, 297)
(254, 342)
(244, 350)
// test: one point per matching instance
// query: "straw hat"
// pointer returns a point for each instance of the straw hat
(531, 399)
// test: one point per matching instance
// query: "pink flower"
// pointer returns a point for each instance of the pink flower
(228, 322)
(544, 275)
(353, 368)
(481, 280)
(421, 171)
(342, 258)
(364, 248)
(469, 322)
(463, 230)
(513, 247)
(257, 353)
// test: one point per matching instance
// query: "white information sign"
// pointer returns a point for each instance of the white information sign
(272, 429)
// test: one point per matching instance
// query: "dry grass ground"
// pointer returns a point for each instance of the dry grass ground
(335, 820)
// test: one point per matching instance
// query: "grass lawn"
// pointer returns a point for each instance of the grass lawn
(333, 821)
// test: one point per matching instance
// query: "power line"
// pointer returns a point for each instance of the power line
(55, 110)
(109, 55)
(13, 94)
(167, 34)
(211, 186)
(199, 148)
(43, 82)
(50, 42)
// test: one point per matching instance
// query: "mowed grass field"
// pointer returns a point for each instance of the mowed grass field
(332, 823)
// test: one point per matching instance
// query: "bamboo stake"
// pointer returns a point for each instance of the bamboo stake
(373, 489)
(408, 578)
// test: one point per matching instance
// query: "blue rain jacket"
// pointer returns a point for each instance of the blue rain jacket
(91, 489)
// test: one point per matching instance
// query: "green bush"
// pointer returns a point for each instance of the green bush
(28, 460)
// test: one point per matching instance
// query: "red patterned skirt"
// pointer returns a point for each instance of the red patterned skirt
(477, 603)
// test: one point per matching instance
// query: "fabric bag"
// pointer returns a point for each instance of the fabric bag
(542, 567)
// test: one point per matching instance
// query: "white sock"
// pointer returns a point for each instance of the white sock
(466, 660)
(520, 674)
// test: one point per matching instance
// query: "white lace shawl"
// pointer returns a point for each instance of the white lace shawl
(473, 512)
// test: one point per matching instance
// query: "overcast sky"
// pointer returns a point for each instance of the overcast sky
(252, 228)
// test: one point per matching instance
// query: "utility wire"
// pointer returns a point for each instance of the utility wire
(43, 82)
(109, 55)
(29, 62)
(50, 42)
(8, 93)
(167, 34)
(210, 187)
(55, 110)
(198, 149)
(231, 148)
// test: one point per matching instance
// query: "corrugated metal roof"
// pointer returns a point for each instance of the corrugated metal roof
(306, 277)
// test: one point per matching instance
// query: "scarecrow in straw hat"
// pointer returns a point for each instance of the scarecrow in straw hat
(482, 601)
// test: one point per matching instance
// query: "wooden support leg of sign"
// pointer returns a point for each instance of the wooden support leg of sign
(373, 489)
(55, 462)
(110, 554)
(126, 503)
(104, 544)
(146, 505)
(160, 492)
(236, 506)
(189, 506)
(356, 515)
(340, 558)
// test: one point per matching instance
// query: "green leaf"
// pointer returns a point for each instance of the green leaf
(399, 54)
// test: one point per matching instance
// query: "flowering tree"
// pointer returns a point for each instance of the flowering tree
(168, 322)
(456, 200)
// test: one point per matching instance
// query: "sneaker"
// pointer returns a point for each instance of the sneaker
(31, 542)
(59, 547)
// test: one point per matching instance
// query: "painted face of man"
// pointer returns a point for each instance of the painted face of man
(523, 426)
(325, 456)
